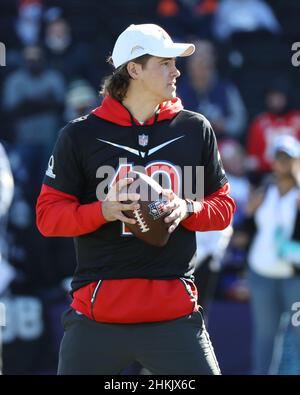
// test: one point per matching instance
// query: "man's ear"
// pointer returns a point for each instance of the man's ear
(134, 70)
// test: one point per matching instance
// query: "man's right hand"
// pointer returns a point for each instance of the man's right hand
(112, 206)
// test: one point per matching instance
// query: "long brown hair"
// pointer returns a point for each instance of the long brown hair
(116, 85)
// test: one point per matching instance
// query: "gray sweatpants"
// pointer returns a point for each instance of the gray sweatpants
(181, 346)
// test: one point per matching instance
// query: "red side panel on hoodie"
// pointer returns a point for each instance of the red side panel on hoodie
(136, 300)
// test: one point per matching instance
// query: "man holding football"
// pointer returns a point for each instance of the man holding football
(133, 301)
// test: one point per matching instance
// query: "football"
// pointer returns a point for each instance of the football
(150, 226)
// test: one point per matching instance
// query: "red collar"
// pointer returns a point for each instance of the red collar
(113, 111)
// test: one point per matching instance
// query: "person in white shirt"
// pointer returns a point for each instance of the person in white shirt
(274, 279)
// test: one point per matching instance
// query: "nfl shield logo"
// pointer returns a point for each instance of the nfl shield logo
(143, 140)
(156, 208)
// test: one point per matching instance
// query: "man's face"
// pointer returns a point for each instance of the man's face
(282, 165)
(200, 70)
(158, 78)
(276, 101)
(58, 36)
(33, 58)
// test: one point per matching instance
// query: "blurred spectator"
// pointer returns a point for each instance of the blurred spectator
(28, 24)
(7, 273)
(204, 91)
(279, 118)
(6, 196)
(81, 98)
(211, 247)
(33, 97)
(6, 184)
(31, 282)
(233, 158)
(243, 16)
(232, 283)
(274, 277)
(187, 17)
(222, 255)
(73, 59)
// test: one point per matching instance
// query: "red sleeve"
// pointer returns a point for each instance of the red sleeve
(215, 212)
(60, 214)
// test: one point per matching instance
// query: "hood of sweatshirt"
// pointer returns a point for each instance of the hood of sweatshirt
(113, 111)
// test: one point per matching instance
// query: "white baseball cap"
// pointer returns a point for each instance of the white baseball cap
(138, 40)
(288, 144)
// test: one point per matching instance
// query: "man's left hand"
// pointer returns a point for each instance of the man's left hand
(177, 207)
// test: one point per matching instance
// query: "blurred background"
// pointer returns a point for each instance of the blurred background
(241, 78)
